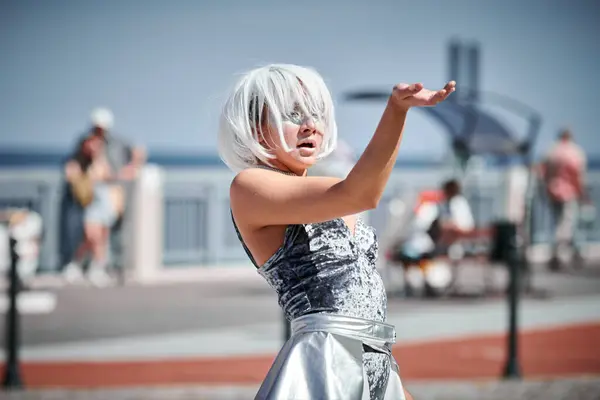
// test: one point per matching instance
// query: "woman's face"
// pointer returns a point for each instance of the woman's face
(92, 147)
(303, 135)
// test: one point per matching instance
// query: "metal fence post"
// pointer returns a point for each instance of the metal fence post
(512, 369)
(12, 374)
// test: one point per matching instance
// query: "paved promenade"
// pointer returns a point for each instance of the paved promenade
(586, 388)
(216, 339)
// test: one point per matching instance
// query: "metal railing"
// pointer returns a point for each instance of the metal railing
(197, 222)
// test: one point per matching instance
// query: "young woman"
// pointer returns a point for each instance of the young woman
(302, 233)
(106, 206)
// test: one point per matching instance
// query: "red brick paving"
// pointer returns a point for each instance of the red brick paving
(572, 350)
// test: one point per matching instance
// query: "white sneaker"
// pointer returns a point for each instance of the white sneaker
(72, 273)
(98, 276)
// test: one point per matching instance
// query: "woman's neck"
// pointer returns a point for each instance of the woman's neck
(275, 164)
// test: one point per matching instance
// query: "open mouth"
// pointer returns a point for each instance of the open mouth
(307, 144)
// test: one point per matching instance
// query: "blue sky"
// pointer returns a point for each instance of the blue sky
(165, 66)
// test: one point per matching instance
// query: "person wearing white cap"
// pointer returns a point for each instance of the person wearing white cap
(102, 118)
(80, 201)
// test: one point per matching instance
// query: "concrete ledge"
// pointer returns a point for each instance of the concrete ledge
(31, 303)
(541, 253)
(581, 388)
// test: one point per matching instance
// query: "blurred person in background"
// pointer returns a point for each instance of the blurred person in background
(440, 220)
(456, 218)
(103, 202)
(124, 162)
(26, 227)
(563, 173)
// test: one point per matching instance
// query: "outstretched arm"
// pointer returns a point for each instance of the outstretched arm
(262, 198)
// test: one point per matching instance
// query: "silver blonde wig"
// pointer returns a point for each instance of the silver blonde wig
(271, 92)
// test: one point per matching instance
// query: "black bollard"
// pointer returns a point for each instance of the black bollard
(12, 373)
(512, 258)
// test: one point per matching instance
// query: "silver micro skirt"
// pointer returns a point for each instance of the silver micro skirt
(323, 360)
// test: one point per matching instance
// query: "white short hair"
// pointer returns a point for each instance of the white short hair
(278, 88)
(102, 118)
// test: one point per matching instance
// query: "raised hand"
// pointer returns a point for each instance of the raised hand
(406, 96)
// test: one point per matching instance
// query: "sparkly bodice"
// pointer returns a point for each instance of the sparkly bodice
(323, 267)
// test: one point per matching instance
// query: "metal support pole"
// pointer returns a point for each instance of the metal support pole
(12, 374)
(473, 64)
(512, 369)
(454, 63)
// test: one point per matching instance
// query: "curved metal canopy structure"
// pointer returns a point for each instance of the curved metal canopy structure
(472, 129)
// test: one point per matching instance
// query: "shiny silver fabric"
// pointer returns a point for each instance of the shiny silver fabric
(323, 360)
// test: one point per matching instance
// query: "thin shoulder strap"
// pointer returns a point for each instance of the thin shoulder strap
(237, 231)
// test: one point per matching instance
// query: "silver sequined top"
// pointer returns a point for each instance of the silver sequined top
(323, 267)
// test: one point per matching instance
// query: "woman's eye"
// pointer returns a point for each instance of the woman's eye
(298, 117)
(295, 117)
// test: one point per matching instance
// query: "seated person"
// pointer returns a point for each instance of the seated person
(26, 227)
(439, 221)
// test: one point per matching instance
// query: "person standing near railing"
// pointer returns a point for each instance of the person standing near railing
(563, 173)
(123, 160)
(104, 203)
